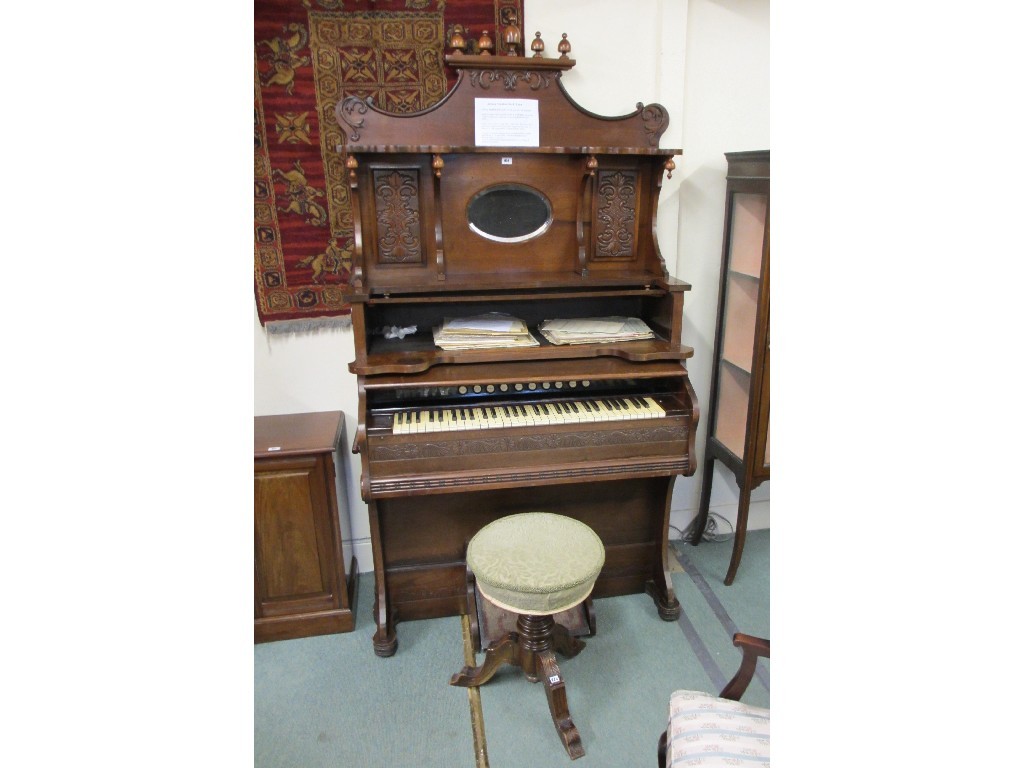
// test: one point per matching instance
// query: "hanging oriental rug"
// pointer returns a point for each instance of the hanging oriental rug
(309, 55)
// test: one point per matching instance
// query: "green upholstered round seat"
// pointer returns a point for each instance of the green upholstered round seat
(535, 563)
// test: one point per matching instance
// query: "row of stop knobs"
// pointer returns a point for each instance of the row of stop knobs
(478, 388)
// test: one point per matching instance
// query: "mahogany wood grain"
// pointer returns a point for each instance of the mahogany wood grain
(300, 583)
(532, 647)
(417, 262)
(753, 648)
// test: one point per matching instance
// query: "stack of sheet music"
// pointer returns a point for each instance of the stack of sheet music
(490, 331)
(595, 330)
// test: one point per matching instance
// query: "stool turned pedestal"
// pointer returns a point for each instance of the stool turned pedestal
(535, 564)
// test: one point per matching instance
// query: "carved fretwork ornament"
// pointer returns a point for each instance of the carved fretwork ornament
(398, 216)
(510, 78)
(538, 442)
(345, 111)
(616, 214)
(655, 121)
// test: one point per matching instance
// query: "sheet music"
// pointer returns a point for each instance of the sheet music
(493, 330)
(490, 323)
(592, 330)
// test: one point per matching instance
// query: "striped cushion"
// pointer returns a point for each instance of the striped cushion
(707, 731)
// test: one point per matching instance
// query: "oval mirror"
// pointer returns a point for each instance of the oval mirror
(509, 213)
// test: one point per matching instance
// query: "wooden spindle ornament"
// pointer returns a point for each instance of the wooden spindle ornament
(513, 38)
(564, 46)
(537, 46)
(458, 41)
(485, 44)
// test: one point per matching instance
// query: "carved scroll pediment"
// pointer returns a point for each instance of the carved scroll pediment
(655, 121)
(510, 78)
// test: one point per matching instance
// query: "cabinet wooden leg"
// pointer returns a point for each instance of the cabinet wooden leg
(741, 533)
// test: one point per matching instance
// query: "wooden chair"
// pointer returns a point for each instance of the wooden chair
(720, 731)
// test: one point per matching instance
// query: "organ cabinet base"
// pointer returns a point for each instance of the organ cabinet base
(425, 539)
(560, 229)
(300, 584)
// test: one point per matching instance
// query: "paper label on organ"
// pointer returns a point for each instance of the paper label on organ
(507, 122)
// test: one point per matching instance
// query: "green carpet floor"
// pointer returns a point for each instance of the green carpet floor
(329, 701)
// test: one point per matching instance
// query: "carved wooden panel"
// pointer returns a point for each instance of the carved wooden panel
(671, 465)
(615, 221)
(504, 444)
(397, 198)
(286, 536)
(510, 79)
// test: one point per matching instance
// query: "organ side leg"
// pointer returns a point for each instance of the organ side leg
(385, 640)
(659, 587)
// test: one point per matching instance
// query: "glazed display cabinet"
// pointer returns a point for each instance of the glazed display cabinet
(738, 413)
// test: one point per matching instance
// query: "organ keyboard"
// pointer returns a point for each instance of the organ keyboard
(449, 440)
(526, 415)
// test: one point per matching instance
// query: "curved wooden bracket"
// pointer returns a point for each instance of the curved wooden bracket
(655, 121)
(586, 193)
(356, 278)
(437, 165)
(753, 648)
(345, 111)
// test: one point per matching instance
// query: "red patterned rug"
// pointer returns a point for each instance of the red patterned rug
(310, 54)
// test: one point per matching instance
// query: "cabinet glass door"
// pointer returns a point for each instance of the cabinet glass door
(748, 213)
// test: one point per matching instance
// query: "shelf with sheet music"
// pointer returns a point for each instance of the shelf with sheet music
(659, 307)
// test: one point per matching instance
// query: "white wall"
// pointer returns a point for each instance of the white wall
(726, 109)
(706, 62)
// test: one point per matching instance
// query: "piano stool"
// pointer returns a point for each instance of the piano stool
(535, 564)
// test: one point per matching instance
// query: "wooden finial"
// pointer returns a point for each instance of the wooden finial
(537, 46)
(458, 41)
(513, 39)
(485, 44)
(564, 46)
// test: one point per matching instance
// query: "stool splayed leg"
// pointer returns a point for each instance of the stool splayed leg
(535, 564)
(532, 648)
